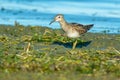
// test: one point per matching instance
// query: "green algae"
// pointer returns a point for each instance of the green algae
(46, 52)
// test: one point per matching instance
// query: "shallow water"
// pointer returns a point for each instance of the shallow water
(104, 14)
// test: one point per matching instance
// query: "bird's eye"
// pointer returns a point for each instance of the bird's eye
(58, 16)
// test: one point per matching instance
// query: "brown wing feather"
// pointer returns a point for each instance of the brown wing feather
(76, 24)
(78, 27)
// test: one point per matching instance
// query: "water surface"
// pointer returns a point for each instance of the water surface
(104, 14)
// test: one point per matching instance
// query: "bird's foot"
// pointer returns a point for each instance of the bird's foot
(74, 44)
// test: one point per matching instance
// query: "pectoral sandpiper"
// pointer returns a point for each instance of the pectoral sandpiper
(72, 30)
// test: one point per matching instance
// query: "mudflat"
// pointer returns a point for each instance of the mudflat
(48, 52)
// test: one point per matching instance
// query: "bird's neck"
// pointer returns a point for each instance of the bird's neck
(64, 25)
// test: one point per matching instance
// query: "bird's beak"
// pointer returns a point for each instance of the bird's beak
(51, 22)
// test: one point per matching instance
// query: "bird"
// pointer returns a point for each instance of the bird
(72, 30)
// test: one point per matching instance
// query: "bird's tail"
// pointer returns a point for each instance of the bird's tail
(88, 27)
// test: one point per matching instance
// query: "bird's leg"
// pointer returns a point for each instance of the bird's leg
(74, 44)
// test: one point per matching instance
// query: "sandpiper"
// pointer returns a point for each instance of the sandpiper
(72, 30)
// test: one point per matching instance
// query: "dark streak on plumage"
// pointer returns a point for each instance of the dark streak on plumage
(81, 28)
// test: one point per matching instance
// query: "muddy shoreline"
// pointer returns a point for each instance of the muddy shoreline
(45, 51)
(94, 41)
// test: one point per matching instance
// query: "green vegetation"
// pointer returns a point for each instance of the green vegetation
(41, 53)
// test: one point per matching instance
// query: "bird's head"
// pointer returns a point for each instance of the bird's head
(58, 18)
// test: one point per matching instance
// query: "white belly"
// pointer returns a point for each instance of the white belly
(73, 35)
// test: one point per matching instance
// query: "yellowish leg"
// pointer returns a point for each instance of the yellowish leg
(74, 44)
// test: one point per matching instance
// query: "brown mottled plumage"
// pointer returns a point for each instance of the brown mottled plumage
(81, 28)
(72, 30)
